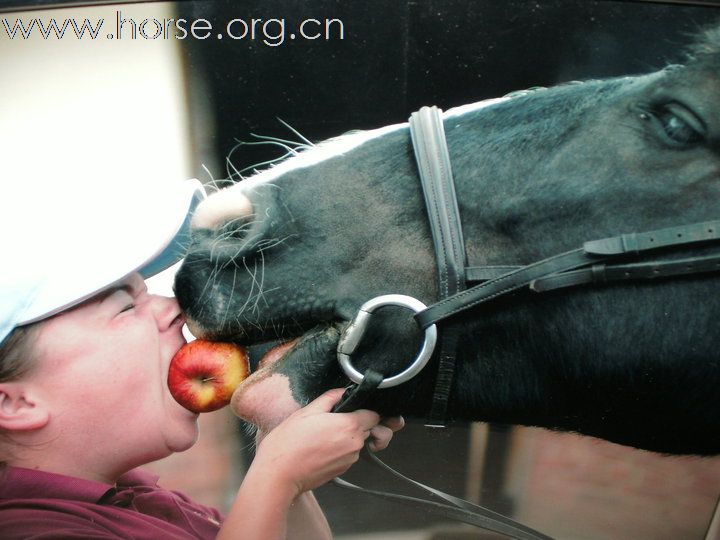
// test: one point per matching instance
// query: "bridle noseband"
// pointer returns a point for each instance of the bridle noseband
(597, 261)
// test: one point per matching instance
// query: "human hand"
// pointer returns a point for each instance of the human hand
(313, 445)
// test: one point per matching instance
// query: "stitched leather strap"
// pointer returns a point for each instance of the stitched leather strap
(592, 253)
(601, 273)
(639, 242)
(473, 274)
(433, 161)
(502, 285)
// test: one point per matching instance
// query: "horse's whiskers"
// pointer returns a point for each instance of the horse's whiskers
(229, 300)
(291, 149)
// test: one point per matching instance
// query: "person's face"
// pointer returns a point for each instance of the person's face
(103, 373)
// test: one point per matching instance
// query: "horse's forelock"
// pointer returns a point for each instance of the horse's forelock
(706, 49)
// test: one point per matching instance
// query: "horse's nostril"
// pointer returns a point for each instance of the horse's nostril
(234, 229)
(235, 223)
(220, 208)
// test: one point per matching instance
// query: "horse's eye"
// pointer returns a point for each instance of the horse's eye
(678, 125)
(678, 130)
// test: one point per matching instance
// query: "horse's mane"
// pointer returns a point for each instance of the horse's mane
(706, 49)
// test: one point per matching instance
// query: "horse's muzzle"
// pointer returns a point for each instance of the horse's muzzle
(235, 223)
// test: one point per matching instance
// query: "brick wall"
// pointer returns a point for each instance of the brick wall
(583, 488)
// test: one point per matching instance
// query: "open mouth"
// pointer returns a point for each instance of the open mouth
(275, 354)
(303, 349)
(266, 356)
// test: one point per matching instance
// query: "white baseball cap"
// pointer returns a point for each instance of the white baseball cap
(63, 244)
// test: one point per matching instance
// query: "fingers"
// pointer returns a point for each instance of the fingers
(395, 423)
(324, 402)
(366, 419)
(380, 437)
(380, 430)
(383, 432)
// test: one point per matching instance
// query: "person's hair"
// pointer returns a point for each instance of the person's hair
(17, 358)
(17, 354)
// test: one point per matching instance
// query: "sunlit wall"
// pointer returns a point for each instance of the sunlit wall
(76, 109)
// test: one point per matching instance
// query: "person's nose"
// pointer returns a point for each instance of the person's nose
(166, 311)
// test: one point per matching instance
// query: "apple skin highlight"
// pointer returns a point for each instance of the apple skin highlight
(204, 374)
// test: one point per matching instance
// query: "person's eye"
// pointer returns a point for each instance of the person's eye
(129, 307)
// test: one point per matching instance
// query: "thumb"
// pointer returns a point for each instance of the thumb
(325, 402)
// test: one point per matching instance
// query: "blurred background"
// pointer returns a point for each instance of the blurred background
(137, 104)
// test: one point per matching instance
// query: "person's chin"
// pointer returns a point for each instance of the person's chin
(183, 439)
(184, 425)
(186, 412)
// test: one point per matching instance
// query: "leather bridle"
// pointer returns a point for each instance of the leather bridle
(596, 261)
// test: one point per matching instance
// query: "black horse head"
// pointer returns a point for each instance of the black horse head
(295, 250)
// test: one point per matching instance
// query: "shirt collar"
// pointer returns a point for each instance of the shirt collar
(21, 483)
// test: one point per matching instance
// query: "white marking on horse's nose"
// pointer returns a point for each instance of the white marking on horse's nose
(221, 207)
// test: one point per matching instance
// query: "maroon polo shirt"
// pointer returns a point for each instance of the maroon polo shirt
(36, 504)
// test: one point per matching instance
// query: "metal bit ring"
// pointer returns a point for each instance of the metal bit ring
(353, 334)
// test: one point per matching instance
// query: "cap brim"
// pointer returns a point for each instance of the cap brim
(144, 232)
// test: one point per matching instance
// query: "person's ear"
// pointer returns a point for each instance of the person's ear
(19, 408)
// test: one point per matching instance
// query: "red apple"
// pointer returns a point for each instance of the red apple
(204, 374)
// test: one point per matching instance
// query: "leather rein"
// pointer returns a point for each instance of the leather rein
(595, 262)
